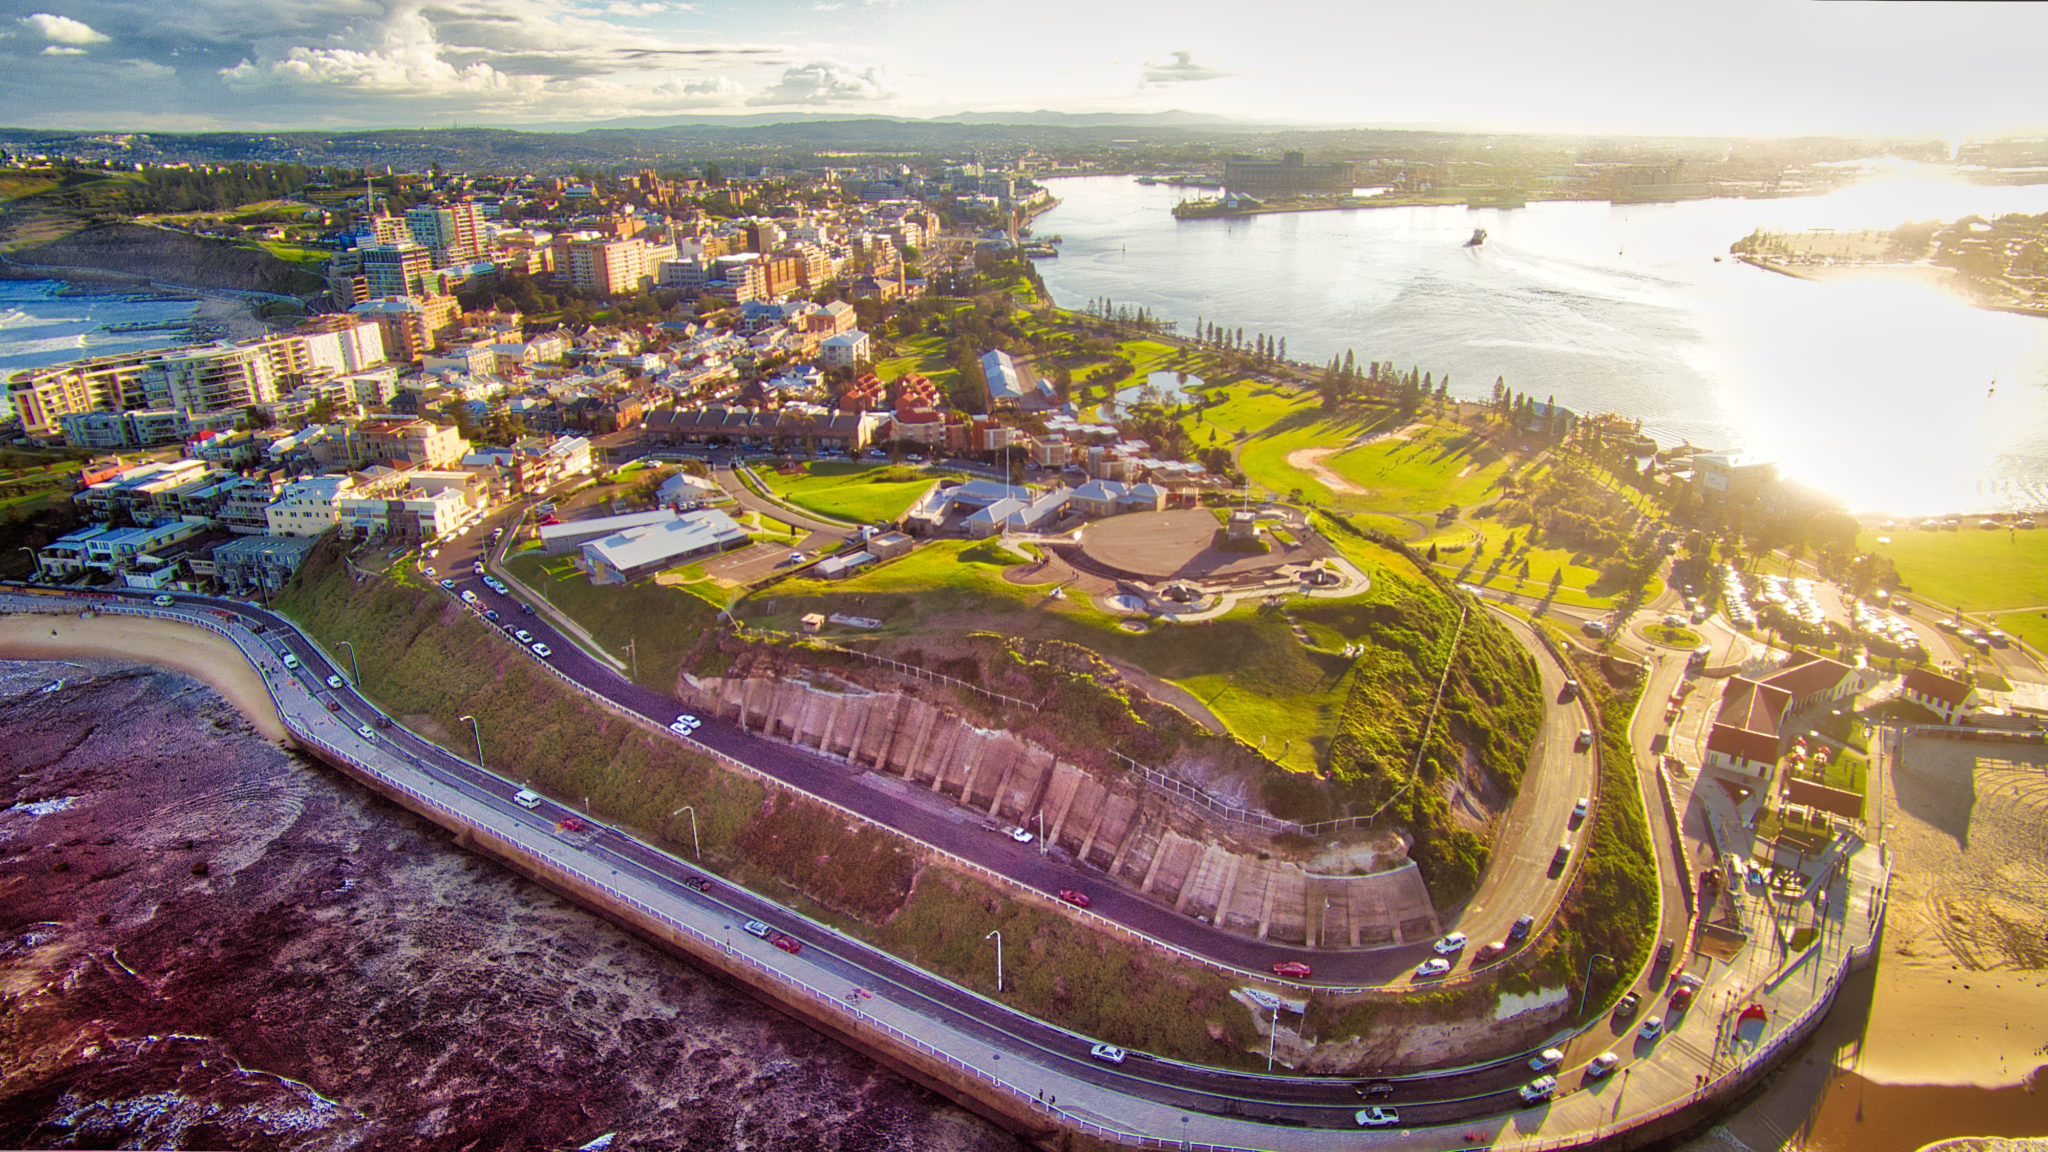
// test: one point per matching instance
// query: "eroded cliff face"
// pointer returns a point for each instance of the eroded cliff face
(208, 942)
(1140, 834)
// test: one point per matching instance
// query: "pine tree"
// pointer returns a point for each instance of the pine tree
(1283, 349)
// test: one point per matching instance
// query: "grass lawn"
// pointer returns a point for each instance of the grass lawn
(1442, 464)
(1977, 570)
(661, 622)
(845, 490)
(297, 254)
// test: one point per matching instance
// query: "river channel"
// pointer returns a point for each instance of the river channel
(1879, 390)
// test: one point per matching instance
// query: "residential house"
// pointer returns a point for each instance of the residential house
(1948, 698)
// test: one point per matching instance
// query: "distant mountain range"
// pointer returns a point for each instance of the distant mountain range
(1042, 118)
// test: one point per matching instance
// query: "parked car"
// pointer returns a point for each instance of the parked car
(1652, 1028)
(789, 944)
(1377, 1117)
(380, 721)
(448, 584)
(1664, 953)
(1108, 1053)
(697, 882)
(1601, 1065)
(1490, 952)
(1294, 968)
(1548, 1058)
(526, 609)
(1625, 1009)
(1562, 856)
(1585, 739)
(1580, 809)
(491, 614)
(523, 636)
(1594, 628)
(1436, 967)
(1681, 997)
(367, 732)
(334, 681)
(687, 721)
(542, 650)
(1541, 1088)
(1455, 942)
(1077, 899)
(1521, 927)
(291, 661)
(756, 928)
(163, 600)
(1570, 693)
(679, 728)
(1021, 836)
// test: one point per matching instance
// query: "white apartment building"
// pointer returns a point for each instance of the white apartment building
(308, 507)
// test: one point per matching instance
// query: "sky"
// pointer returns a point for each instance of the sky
(1730, 67)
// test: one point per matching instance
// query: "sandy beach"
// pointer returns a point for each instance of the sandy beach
(191, 650)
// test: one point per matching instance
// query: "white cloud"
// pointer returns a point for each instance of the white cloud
(825, 82)
(1182, 70)
(408, 59)
(75, 34)
(57, 50)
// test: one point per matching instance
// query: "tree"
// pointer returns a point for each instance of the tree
(256, 416)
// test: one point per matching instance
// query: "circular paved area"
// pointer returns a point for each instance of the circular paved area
(1158, 545)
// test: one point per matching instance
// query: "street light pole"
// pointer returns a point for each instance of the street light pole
(1587, 985)
(694, 854)
(997, 936)
(478, 732)
(357, 677)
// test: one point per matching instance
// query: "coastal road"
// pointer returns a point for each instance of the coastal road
(1452, 1097)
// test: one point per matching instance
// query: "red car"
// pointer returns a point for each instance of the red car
(789, 944)
(1292, 968)
(1682, 997)
(570, 824)
(1077, 899)
(1491, 951)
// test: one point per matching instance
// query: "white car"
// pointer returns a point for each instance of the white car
(1652, 1028)
(1580, 809)
(1455, 942)
(1021, 836)
(687, 721)
(541, 650)
(1436, 967)
(1548, 1058)
(1540, 1088)
(334, 681)
(1602, 1065)
(291, 661)
(523, 636)
(367, 732)
(163, 601)
(1108, 1053)
(1376, 1117)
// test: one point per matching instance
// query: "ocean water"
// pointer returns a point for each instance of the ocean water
(39, 327)
(1880, 390)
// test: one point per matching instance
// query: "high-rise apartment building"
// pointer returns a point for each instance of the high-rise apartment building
(451, 233)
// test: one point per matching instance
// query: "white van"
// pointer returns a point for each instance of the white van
(527, 798)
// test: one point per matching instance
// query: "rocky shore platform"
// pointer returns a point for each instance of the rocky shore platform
(208, 941)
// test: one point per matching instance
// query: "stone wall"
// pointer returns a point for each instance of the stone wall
(1172, 852)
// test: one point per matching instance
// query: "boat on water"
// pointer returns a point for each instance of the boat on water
(1478, 238)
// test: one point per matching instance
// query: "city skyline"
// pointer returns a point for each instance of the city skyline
(1756, 67)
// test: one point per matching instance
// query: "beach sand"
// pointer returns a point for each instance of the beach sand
(183, 647)
(1948, 1037)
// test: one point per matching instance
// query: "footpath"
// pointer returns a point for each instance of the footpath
(1750, 1012)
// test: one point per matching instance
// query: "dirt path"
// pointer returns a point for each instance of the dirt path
(1310, 460)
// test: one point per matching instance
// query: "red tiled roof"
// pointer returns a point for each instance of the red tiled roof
(1807, 675)
(1935, 686)
(1748, 720)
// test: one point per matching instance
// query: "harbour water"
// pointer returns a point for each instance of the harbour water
(1878, 390)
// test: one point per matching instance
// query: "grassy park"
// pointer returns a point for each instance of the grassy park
(850, 491)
